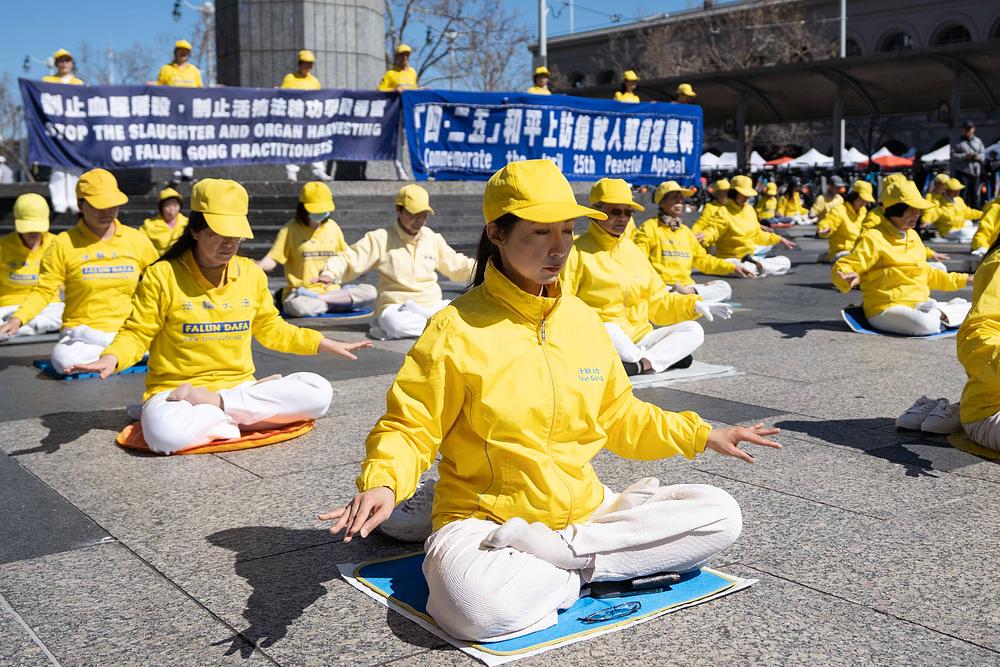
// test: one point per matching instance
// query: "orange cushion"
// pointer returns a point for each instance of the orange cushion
(131, 438)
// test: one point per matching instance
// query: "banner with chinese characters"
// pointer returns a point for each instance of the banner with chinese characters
(468, 136)
(117, 127)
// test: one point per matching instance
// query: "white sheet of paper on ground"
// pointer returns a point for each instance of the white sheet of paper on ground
(698, 370)
(348, 569)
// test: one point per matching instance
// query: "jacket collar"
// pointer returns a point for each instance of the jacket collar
(405, 237)
(604, 240)
(232, 272)
(91, 236)
(891, 231)
(529, 306)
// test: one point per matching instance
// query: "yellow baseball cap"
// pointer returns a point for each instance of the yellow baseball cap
(316, 197)
(533, 190)
(942, 178)
(182, 44)
(613, 191)
(169, 193)
(743, 185)
(955, 185)
(771, 189)
(99, 188)
(542, 71)
(414, 199)
(686, 89)
(306, 56)
(31, 213)
(721, 184)
(903, 191)
(224, 204)
(62, 53)
(403, 48)
(630, 75)
(864, 188)
(666, 187)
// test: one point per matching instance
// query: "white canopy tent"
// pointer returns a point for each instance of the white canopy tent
(709, 162)
(811, 158)
(882, 152)
(727, 160)
(942, 154)
(853, 156)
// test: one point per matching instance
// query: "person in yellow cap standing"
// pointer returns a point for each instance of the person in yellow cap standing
(98, 262)
(613, 276)
(65, 67)
(889, 262)
(197, 311)
(180, 73)
(738, 237)
(842, 224)
(21, 254)
(168, 224)
(303, 246)
(673, 250)
(303, 79)
(400, 76)
(407, 256)
(952, 217)
(540, 82)
(712, 209)
(62, 181)
(627, 91)
(978, 350)
(685, 94)
(518, 388)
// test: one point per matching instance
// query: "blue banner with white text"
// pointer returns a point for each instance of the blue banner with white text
(117, 127)
(468, 136)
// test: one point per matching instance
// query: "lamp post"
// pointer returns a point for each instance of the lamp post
(451, 35)
(543, 49)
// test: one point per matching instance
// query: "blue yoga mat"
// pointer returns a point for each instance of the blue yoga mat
(45, 366)
(356, 314)
(855, 318)
(401, 581)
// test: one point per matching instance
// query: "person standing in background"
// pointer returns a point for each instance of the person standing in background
(303, 79)
(180, 73)
(62, 182)
(627, 92)
(685, 94)
(969, 154)
(400, 76)
(540, 84)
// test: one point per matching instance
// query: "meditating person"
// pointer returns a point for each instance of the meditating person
(98, 263)
(303, 246)
(978, 351)
(875, 217)
(889, 262)
(517, 387)
(712, 209)
(842, 224)
(197, 311)
(738, 237)
(828, 198)
(21, 254)
(166, 227)
(790, 204)
(611, 274)
(766, 206)
(407, 256)
(952, 217)
(989, 228)
(672, 249)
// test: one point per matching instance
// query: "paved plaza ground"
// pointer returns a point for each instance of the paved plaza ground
(872, 546)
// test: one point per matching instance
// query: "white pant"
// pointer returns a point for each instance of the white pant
(170, 426)
(62, 189)
(663, 346)
(47, 321)
(985, 432)
(355, 296)
(964, 234)
(404, 320)
(482, 594)
(714, 291)
(80, 345)
(773, 266)
(318, 170)
(912, 322)
(940, 266)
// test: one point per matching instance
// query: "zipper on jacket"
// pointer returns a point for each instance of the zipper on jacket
(552, 424)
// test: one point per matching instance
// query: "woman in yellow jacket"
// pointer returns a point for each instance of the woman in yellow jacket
(98, 262)
(842, 224)
(790, 204)
(303, 246)
(952, 217)
(407, 257)
(608, 272)
(889, 262)
(21, 254)
(197, 310)
(627, 92)
(517, 387)
(766, 206)
(978, 351)
(672, 249)
(303, 79)
(738, 237)
(62, 180)
(712, 210)
(167, 226)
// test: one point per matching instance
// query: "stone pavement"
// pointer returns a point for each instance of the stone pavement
(871, 545)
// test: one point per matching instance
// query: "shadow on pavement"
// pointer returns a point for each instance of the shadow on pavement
(65, 427)
(800, 329)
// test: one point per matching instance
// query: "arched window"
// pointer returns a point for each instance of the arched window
(951, 34)
(896, 40)
(577, 80)
(995, 30)
(607, 76)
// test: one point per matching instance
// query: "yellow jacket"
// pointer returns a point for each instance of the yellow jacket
(791, 205)
(199, 333)
(179, 76)
(538, 90)
(875, 217)
(737, 233)
(99, 276)
(952, 214)
(518, 393)
(407, 265)
(612, 276)
(931, 214)
(711, 213)
(766, 207)
(305, 251)
(822, 205)
(631, 98)
(842, 225)
(20, 268)
(160, 234)
(54, 78)
(673, 252)
(893, 269)
(295, 82)
(989, 228)
(394, 79)
(979, 345)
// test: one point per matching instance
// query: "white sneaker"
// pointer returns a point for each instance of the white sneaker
(321, 175)
(411, 520)
(943, 419)
(913, 418)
